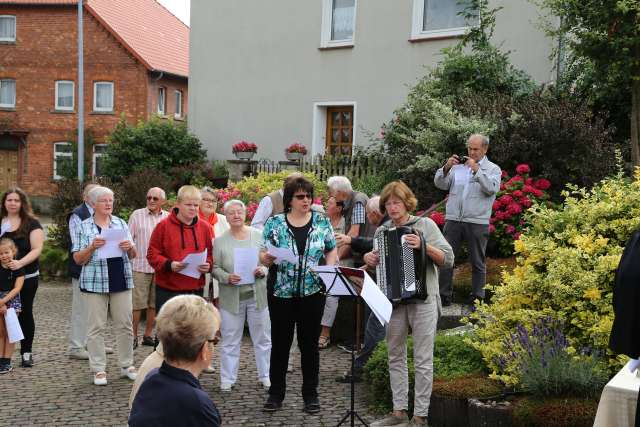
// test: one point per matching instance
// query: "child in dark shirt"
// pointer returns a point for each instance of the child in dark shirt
(11, 282)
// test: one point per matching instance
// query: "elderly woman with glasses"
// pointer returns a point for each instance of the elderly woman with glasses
(106, 284)
(297, 299)
(240, 299)
(208, 214)
(172, 395)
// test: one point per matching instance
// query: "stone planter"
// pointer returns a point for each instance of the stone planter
(294, 157)
(448, 411)
(490, 413)
(244, 155)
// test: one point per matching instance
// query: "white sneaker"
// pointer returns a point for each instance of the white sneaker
(226, 387)
(266, 383)
(100, 378)
(129, 372)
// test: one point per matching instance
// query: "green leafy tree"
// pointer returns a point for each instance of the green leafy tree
(606, 33)
(158, 145)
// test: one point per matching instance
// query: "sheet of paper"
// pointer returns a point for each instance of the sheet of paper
(245, 261)
(113, 237)
(335, 285)
(6, 226)
(376, 300)
(282, 254)
(633, 365)
(193, 261)
(14, 332)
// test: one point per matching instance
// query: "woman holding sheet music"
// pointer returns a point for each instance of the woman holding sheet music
(242, 296)
(106, 283)
(297, 299)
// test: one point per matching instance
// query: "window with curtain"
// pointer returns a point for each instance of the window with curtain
(162, 101)
(178, 112)
(7, 28)
(7, 93)
(103, 96)
(342, 14)
(444, 15)
(99, 151)
(62, 159)
(64, 95)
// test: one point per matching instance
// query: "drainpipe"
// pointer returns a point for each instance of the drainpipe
(80, 93)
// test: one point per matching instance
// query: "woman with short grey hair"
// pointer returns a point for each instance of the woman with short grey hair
(241, 298)
(106, 284)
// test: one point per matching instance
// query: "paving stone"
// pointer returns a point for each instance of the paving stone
(59, 391)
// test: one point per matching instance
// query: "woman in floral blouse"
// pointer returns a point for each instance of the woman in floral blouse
(297, 298)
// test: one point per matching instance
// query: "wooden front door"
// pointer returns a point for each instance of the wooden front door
(339, 130)
(8, 169)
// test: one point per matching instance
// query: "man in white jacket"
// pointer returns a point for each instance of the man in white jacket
(473, 182)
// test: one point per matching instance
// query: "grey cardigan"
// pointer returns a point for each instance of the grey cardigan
(433, 237)
(474, 206)
(223, 267)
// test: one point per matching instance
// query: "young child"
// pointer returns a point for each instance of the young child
(11, 282)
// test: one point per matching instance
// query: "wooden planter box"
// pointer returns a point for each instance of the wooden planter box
(483, 413)
(448, 411)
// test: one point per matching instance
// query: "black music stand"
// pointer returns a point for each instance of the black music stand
(353, 294)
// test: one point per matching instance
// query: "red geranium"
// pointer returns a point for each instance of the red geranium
(244, 147)
(542, 184)
(438, 218)
(522, 169)
(505, 200)
(514, 209)
(528, 189)
(296, 148)
(509, 229)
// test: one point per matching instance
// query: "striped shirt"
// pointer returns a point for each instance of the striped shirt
(141, 225)
(95, 273)
(358, 216)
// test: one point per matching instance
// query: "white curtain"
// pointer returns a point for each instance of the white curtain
(104, 96)
(7, 92)
(342, 19)
(443, 14)
(7, 28)
(65, 94)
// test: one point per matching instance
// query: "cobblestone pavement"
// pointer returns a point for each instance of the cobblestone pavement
(59, 391)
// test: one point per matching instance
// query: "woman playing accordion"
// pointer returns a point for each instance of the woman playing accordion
(420, 307)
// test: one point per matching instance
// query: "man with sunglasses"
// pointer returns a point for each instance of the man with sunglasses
(142, 222)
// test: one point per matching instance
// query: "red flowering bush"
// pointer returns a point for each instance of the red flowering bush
(296, 148)
(516, 195)
(438, 218)
(244, 146)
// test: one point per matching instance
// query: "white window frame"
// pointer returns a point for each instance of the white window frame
(73, 96)
(178, 110)
(15, 29)
(417, 22)
(327, 23)
(56, 155)
(95, 157)
(12, 105)
(319, 128)
(162, 106)
(95, 97)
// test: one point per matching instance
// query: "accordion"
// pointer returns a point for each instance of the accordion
(400, 273)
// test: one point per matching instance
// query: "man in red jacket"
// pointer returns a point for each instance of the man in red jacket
(173, 239)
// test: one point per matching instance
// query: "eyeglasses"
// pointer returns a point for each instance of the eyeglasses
(302, 196)
(210, 200)
(154, 198)
(214, 341)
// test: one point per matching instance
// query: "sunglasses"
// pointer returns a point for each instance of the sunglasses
(303, 196)
(210, 200)
(154, 198)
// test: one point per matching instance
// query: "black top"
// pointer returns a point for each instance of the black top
(24, 245)
(300, 234)
(8, 278)
(171, 396)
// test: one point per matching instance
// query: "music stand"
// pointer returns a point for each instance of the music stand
(353, 293)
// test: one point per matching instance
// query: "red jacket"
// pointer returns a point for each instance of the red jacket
(172, 240)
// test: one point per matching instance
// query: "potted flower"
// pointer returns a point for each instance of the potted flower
(295, 152)
(244, 150)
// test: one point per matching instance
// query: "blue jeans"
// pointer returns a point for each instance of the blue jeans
(374, 333)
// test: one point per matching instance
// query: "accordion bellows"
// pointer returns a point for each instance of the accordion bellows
(400, 271)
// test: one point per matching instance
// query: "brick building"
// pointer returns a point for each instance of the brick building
(136, 64)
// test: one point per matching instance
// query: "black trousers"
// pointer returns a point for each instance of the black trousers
(25, 317)
(164, 295)
(305, 314)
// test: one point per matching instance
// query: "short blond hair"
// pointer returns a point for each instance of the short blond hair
(184, 324)
(400, 190)
(189, 192)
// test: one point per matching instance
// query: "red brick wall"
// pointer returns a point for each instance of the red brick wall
(171, 84)
(45, 51)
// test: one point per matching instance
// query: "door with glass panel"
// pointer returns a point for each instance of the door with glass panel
(339, 130)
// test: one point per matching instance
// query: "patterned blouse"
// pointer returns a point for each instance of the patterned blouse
(95, 276)
(297, 280)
